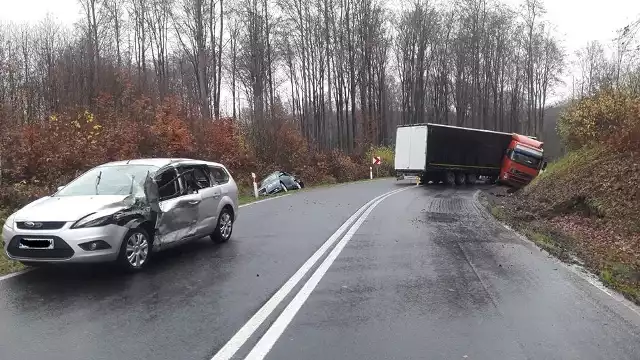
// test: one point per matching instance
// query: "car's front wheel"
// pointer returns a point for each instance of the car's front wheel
(223, 230)
(135, 251)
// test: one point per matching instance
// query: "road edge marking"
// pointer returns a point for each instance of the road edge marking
(316, 188)
(246, 331)
(14, 274)
(263, 200)
(268, 340)
(578, 270)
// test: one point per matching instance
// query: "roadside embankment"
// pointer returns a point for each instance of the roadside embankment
(586, 206)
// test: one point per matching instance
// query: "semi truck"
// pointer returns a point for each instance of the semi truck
(457, 155)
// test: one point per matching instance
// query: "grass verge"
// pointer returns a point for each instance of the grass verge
(245, 195)
(7, 266)
(544, 239)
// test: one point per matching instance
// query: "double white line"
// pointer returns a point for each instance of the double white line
(262, 348)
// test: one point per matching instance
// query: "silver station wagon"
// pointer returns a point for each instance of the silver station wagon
(124, 211)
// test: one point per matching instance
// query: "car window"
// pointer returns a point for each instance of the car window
(189, 180)
(168, 185)
(201, 177)
(219, 175)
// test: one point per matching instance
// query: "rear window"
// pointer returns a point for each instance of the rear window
(219, 175)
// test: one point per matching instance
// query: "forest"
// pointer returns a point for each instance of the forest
(343, 72)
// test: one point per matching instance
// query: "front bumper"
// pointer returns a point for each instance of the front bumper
(516, 178)
(66, 244)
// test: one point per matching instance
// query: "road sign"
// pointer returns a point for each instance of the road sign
(376, 160)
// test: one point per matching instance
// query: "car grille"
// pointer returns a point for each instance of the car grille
(520, 176)
(40, 225)
(61, 250)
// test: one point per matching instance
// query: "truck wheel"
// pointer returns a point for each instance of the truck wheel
(460, 178)
(449, 178)
(471, 179)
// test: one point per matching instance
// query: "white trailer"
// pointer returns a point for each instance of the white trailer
(411, 151)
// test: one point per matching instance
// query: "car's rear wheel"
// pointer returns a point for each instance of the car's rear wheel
(135, 251)
(223, 230)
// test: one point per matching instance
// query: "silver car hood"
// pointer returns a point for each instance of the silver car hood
(68, 208)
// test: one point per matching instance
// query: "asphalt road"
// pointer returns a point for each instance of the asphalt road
(425, 273)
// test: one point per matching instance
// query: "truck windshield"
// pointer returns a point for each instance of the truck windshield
(526, 159)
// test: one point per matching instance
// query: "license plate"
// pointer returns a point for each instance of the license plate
(408, 177)
(40, 244)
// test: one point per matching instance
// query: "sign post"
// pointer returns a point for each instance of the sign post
(376, 160)
(255, 185)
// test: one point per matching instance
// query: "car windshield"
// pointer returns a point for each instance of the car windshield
(271, 178)
(109, 180)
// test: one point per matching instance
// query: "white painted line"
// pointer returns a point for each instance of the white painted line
(236, 342)
(265, 344)
(9, 276)
(263, 200)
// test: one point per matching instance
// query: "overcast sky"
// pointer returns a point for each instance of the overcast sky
(577, 21)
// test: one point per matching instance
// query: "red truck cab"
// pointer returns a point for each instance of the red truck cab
(522, 161)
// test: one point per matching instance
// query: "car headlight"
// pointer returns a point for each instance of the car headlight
(95, 220)
(10, 221)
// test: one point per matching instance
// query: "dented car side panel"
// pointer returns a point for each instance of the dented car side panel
(177, 219)
(186, 216)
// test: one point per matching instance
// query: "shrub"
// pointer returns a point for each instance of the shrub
(611, 117)
(387, 155)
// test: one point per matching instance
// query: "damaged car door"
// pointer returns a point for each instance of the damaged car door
(197, 179)
(176, 205)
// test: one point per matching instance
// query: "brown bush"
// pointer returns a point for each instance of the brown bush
(39, 156)
(609, 117)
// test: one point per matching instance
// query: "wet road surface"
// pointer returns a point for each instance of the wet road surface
(426, 275)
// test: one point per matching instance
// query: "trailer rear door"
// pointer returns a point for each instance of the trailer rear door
(411, 148)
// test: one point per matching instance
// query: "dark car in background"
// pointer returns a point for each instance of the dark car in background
(279, 181)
